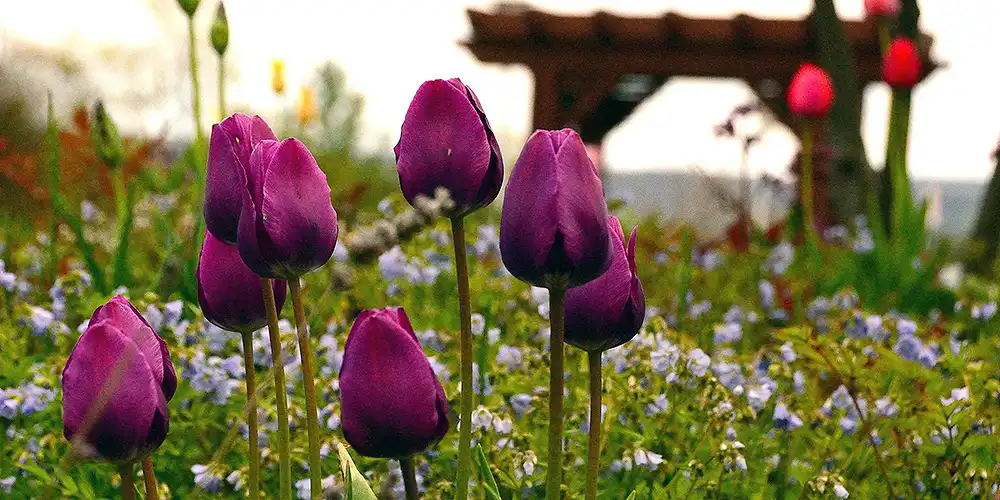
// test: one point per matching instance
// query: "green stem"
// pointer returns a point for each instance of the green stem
(149, 478)
(884, 37)
(594, 446)
(222, 88)
(254, 447)
(128, 481)
(124, 216)
(465, 319)
(52, 136)
(195, 87)
(806, 188)
(899, 125)
(280, 397)
(409, 477)
(557, 317)
(312, 415)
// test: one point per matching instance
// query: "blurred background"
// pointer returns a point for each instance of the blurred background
(371, 56)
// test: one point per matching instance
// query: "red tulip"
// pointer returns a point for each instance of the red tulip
(810, 94)
(901, 64)
(882, 8)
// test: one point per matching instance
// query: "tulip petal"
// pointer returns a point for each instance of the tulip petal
(120, 312)
(594, 311)
(392, 403)
(230, 146)
(225, 180)
(443, 142)
(582, 211)
(125, 428)
(298, 220)
(530, 201)
(228, 291)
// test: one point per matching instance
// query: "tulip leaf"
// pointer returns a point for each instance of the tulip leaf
(631, 496)
(355, 485)
(490, 484)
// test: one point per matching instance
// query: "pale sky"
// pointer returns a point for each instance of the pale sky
(388, 47)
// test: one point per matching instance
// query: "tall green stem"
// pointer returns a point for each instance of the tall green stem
(895, 155)
(254, 447)
(594, 445)
(195, 87)
(806, 188)
(52, 138)
(123, 212)
(312, 415)
(409, 477)
(557, 317)
(149, 478)
(280, 398)
(128, 481)
(465, 319)
(222, 88)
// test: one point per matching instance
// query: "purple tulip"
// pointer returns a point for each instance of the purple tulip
(122, 354)
(391, 403)
(229, 151)
(228, 291)
(608, 311)
(553, 229)
(446, 141)
(288, 226)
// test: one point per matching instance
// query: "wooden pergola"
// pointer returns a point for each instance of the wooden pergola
(592, 71)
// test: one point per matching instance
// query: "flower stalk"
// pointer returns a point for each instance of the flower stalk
(149, 478)
(594, 442)
(308, 380)
(128, 481)
(409, 477)
(252, 437)
(465, 318)
(280, 398)
(557, 311)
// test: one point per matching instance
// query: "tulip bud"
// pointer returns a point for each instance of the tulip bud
(228, 291)
(220, 31)
(810, 94)
(228, 162)
(901, 64)
(104, 136)
(882, 8)
(288, 226)
(188, 6)
(553, 228)
(608, 311)
(391, 403)
(116, 384)
(446, 141)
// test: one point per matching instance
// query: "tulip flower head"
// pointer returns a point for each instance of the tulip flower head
(228, 291)
(553, 229)
(288, 226)
(116, 384)
(392, 405)
(901, 64)
(810, 94)
(882, 8)
(270, 198)
(446, 141)
(608, 311)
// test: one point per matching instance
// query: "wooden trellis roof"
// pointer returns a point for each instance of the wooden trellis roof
(579, 61)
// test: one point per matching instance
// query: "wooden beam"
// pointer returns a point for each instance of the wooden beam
(596, 89)
(719, 63)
